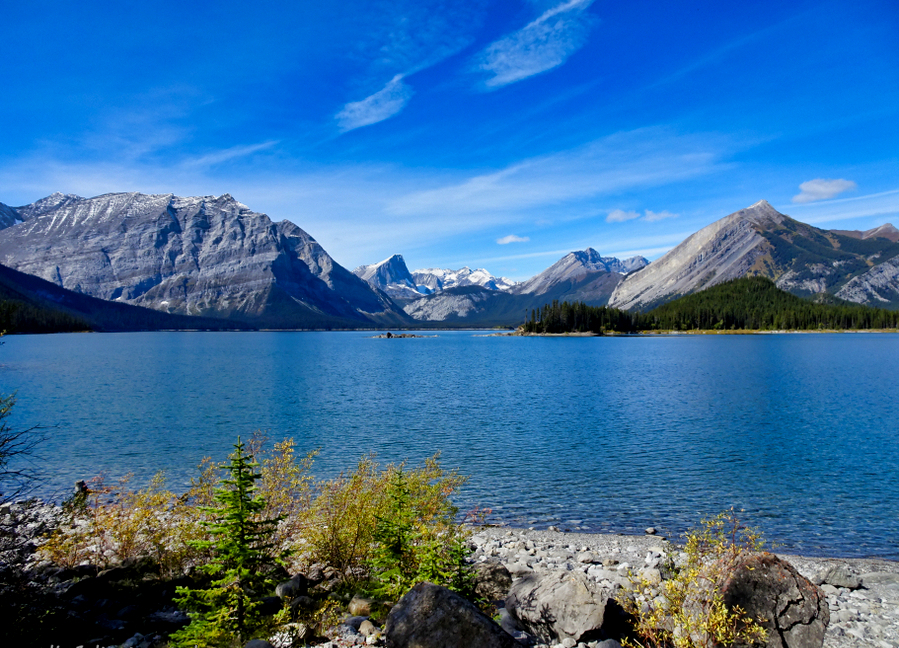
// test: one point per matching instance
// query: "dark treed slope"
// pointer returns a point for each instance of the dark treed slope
(29, 304)
(757, 303)
(750, 303)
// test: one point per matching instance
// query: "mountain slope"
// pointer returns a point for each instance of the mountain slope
(574, 266)
(29, 304)
(757, 240)
(886, 231)
(209, 256)
(391, 276)
(579, 276)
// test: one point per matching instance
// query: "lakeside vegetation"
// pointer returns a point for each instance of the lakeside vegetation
(750, 303)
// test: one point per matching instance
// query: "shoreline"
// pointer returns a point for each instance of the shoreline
(863, 611)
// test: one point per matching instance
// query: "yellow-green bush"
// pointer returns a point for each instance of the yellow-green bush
(687, 610)
(332, 521)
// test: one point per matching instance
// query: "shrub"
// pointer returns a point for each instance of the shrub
(106, 525)
(687, 610)
(243, 562)
(342, 525)
(410, 549)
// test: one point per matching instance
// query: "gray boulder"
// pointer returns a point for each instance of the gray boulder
(430, 615)
(563, 605)
(492, 580)
(838, 576)
(794, 610)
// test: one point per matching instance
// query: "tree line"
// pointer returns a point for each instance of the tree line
(750, 303)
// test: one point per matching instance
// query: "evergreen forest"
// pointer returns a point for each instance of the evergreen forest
(749, 303)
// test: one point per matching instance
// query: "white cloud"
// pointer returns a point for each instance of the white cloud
(383, 104)
(511, 238)
(881, 205)
(543, 44)
(228, 154)
(621, 216)
(821, 189)
(652, 217)
(646, 157)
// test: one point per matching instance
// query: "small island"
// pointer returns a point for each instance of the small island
(391, 336)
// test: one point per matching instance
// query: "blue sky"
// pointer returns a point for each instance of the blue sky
(491, 134)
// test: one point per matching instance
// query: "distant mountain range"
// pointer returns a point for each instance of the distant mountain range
(477, 298)
(860, 267)
(214, 257)
(393, 277)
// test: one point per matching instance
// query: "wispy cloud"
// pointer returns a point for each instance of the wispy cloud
(621, 216)
(646, 157)
(543, 44)
(511, 238)
(884, 204)
(405, 38)
(383, 104)
(821, 189)
(228, 154)
(652, 217)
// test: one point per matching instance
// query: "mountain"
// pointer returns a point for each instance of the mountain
(574, 266)
(209, 256)
(430, 280)
(886, 231)
(582, 276)
(391, 276)
(759, 240)
(8, 216)
(29, 304)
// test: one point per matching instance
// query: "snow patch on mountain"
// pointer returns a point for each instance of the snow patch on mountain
(430, 280)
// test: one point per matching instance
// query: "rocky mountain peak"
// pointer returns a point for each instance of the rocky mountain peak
(759, 240)
(196, 256)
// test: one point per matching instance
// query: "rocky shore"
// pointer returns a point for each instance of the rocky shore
(862, 594)
(521, 570)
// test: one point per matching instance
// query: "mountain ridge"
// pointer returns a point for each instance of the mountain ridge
(199, 255)
(759, 240)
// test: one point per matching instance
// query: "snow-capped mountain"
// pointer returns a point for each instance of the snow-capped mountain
(392, 276)
(430, 280)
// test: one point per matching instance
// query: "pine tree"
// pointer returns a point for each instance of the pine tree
(243, 562)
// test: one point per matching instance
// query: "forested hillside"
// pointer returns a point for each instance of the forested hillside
(752, 303)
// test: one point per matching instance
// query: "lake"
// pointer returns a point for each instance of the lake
(610, 434)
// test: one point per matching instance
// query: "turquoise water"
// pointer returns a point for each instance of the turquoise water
(602, 434)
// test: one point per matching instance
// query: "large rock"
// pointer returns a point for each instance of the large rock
(492, 580)
(429, 616)
(794, 610)
(563, 605)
